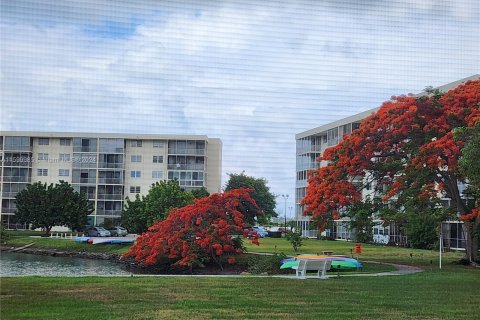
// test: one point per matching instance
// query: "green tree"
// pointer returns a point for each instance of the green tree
(361, 219)
(469, 164)
(133, 215)
(163, 196)
(261, 194)
(54, 205)
(200, 193)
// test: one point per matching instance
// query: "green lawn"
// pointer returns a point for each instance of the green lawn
(421, 258)
(449, 293)
(427, 295)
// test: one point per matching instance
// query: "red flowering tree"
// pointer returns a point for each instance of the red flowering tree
(406, 150)
(199, 233)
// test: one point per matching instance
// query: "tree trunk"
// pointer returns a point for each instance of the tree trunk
(47, 231)
(472, 245)
(471, 227)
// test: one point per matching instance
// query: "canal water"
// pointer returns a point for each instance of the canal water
(22, 264)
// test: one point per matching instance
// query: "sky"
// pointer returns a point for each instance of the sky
(252, 73)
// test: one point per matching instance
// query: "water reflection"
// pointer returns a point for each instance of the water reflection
(21, 264)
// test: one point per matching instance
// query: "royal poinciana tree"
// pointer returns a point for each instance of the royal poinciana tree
(408, 151)
(210, 230)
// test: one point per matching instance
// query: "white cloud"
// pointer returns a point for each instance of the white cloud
(253, 74)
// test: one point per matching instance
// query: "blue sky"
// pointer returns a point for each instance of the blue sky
(252, 73)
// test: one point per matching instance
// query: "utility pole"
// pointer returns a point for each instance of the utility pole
(285, 197)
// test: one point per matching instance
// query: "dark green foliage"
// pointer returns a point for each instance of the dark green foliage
(422, 231)
(261, 194)
(200, 193)
(55, 205)
(469, 162)
(361, 219)
(295, 239)
(133, 215)
(163, 196)
(270, 264)
(4, 236)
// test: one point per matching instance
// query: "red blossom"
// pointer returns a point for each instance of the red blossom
(406, 134)
(197, 233)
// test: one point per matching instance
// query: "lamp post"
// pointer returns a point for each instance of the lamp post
(285, 197)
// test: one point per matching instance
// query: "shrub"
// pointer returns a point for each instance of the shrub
(295, 239)
(4, 235)
(270, 264)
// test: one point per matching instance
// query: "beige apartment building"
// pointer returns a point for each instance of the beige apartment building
(106, 167)
(312, 143)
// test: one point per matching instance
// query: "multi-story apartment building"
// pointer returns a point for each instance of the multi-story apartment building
(106, 167)
(312, 143)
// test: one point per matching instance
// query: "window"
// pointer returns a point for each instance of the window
(134, 189)
(64, 157)
(42, 172)
(63, 172)
(136, 158)
(43, 156)
(43, 141)
(136, 143)
(157, 174)
(65, 141)
(157, 159)
(135, 174)
(158, 144)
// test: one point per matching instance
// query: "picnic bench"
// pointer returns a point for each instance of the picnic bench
(321, 266)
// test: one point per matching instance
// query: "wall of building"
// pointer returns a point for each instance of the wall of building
(106, 167)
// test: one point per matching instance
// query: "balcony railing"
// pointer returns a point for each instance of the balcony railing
(85, 149)
(110, 197)
(106, 165)
(9, 194)
(105, 212)
(187, 151)
(84, 180)
(110, 181)
(194, 166)
(16, 179)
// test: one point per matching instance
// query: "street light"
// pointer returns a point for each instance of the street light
(285, 197)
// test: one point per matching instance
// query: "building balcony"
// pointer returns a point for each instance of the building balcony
(103, 165)
(194, 166)
(105, 212)
(85, 180)
(186, 151)
(9, 210)
(17, 179)
(110, 181)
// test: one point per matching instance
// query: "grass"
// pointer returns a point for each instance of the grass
(427, 295)
(386, 254)
(433, 294)
(421, 258)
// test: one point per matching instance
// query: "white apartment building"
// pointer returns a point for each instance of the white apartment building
(106, 167)
(312, 143)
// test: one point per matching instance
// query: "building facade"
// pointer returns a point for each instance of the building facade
(106, 167)
(312, 143)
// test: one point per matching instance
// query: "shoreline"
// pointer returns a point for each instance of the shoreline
(60, 253)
